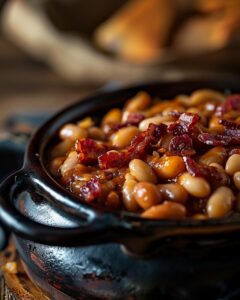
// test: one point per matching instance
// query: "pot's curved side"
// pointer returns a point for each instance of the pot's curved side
(182, 269)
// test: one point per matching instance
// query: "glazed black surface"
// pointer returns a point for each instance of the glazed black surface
(173, 260)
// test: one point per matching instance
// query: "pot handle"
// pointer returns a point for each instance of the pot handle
(138, 237)
(97, 229)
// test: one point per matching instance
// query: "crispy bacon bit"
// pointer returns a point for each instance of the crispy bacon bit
(194, 168)
(181, 145)
(234, 151)
(231, 103)
(230, 137)
(230, 128)
(185, 124)
(218, 139)
(88, 151)
(133, 119)
(91, 190)
(112, 159)
(210, 173)
(138, 148)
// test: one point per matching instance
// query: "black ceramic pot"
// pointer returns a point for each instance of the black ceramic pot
(90, 253)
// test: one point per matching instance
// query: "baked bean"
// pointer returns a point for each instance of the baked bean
(113, 200)
(205, 95)
(167, 210)
(220, 203)
(172, 108)
(129, 200)
(62, 148)
(114, 116)
(215, 126)
(199, 97)
(236, 179)
(154, 120)
(209, 107)
(96, 133)
(86, 123)
(173, 192)
(140, 102)
(69, 163)
(167, 167)
(55, 165)
(128, 176)
(72, 132)
(233, 164)
(142, 171)
(146, 194)
(124, 136)
(159, 107)
(195, 186)
(215, 155)
(80, 169)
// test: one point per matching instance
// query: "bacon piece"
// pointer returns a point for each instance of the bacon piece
(218, 139)
(185, 124)
(91, 190)
(234, 151)
(230, 128)
(231, 103)
(210, 173)
(133, 119)
(88, 151)
(112, 159)
(138, 148)
(194, 168)
(181, 145)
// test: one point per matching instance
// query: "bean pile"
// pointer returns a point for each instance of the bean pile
(170, 159)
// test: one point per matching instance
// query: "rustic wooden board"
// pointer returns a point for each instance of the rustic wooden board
(17, 286)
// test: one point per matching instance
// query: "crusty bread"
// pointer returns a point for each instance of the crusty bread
(139, 30)
(209, 32)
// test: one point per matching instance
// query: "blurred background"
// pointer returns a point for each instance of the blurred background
(53, 52)
(50, 50)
